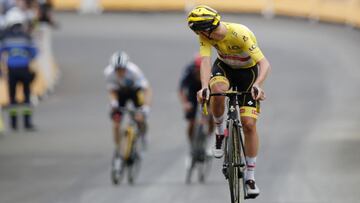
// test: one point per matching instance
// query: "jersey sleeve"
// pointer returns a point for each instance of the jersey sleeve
(111, 83)
(251, 47)
(139, 77)
(205, 47)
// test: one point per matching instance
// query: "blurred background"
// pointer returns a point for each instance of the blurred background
(309, 125)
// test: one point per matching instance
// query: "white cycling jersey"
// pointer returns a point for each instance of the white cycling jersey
(133, 78)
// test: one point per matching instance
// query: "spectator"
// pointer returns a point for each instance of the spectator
(17, 52)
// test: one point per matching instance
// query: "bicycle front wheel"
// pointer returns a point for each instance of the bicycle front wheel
(134, 168)
(234, 164)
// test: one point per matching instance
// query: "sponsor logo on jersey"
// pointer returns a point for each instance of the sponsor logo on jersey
(234, 47)
(253, 47)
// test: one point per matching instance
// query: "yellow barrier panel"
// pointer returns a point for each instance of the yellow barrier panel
(341, 11)
(354, 14)
(334, 10)
(67, 4)
(302, 8)
(152, 5)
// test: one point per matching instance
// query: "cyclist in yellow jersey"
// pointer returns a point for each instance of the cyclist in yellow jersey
(240, 64)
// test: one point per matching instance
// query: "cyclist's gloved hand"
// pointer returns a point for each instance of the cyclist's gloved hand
(114, 104)
(203, 95)
(257, 93)
(115, 115)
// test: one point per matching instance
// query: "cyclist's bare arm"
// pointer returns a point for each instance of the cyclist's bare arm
(264, 68)
(205, 71)
(148, 96)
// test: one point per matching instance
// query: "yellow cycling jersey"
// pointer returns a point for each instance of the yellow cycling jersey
(238, 49)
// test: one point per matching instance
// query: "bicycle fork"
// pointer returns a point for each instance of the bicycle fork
(240, 166)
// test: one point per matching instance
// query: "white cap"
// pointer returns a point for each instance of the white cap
(14, 16)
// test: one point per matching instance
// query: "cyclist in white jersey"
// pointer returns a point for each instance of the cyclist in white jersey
(125, 81)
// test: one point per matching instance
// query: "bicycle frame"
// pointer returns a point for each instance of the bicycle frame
(131, 133)
(233, 122)
(131, 156)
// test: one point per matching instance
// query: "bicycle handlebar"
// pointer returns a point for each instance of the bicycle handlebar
(229, 93)
(225, 94)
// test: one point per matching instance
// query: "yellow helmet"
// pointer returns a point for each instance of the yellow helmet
(203, 18)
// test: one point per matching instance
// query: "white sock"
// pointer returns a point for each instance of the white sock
(250, 169)
(219, 125)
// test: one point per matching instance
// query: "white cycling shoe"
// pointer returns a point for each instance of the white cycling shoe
(252, 190)
(218, 150)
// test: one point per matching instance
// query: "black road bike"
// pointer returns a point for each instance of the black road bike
(200, 159)
(234, 164)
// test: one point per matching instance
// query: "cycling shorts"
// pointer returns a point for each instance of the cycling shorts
(136, 96)
(242, 80)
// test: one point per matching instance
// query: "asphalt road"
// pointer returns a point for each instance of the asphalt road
(308, 127)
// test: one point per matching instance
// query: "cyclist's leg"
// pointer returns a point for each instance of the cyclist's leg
(248, 121)
(249, 113)
(137, 97)
(251, 143)
(218, 84)
(116, 120)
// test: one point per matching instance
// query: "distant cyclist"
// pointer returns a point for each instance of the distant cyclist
(126, 82)
(241, 64)
(190, 84)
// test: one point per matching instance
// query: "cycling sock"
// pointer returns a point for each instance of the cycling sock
(219, 125)
(250, 171)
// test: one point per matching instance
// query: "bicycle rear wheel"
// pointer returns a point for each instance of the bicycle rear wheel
(234, 164)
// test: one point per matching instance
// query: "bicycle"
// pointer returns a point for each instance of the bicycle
(131, 159)
(199, 157)
(234, 164)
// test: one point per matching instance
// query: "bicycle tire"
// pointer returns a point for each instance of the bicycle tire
(204, 169)
(199, 159)
(234, 162)
(242, 191)
(117, 176)
(134, 169)
(189, 171)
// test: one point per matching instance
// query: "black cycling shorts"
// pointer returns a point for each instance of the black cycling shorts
(136, 96)
(241, 79)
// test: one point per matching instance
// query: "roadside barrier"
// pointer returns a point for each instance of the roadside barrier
(338, 11)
